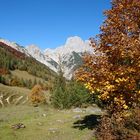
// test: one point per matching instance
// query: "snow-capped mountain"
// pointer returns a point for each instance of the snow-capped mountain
(35, 52)
(67, 55)
(73, 44)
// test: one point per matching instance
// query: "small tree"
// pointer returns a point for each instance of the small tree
(34, 82)
(59, 96)
(37, 96)
(15, 81)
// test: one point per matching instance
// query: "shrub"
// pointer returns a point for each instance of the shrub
(37, 96)
(79, 94)
(73, 95)
(58, 98)
(118, 127)
(133, 122)
(104, 130)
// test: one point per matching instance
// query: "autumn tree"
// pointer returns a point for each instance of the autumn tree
(37, 96)
(15, 81)
(112, 71)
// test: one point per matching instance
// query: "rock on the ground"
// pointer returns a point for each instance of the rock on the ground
(60, 121)
(18, 126)
(39, 123)
(93, 110)
(77, 117)
(77, 110)
(53, 130)
(44, 115)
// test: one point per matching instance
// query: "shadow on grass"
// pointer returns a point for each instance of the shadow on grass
(89, 121)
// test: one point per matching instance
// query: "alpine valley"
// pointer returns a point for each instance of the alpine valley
(68, 56)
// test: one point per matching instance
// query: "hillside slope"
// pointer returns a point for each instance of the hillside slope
(11, 59)
(19, 73)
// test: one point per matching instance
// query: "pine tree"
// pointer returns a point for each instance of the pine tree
(30, 84)
(35, 82)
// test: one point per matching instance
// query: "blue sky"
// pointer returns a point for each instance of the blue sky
(48, 23)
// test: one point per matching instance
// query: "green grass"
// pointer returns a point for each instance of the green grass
(26, 76)
(56, 125)
(39, 127)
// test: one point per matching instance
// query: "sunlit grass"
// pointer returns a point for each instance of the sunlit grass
(41, 123)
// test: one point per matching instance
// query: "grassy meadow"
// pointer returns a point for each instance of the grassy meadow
(42, 123)
(25, 75)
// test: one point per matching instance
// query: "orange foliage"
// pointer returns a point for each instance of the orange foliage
(37, 96)
(113, 71)
(3, 71)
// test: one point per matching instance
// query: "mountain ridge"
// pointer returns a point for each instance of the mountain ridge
(68, 55)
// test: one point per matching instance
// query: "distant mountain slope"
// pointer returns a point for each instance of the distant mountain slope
(35, 52)
(14, 46)
(17, 57)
